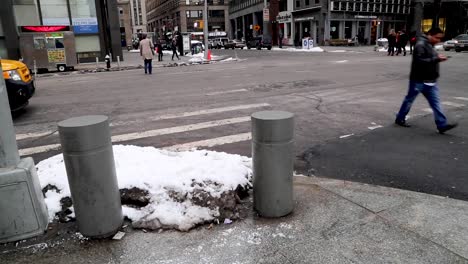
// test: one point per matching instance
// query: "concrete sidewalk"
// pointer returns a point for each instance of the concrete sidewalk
(334, 222)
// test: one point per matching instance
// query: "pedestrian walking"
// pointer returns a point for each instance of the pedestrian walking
(412, 41)
(174, 48)
(402, 41)
(423, 79)
(391, 42)
(147, 52)
(159, 49)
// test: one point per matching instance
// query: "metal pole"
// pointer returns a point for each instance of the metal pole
(89, 161)
(272, 154)
(9, 156)
(266, 23)
(118, 62)
(97, 63)
(205, 28)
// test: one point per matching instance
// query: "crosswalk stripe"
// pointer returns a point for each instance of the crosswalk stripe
(160, 117)
(227, 92)
(146, 134)
(34, 135)
(453, 104)
(461, 98)
(211, 142)
(179, 129)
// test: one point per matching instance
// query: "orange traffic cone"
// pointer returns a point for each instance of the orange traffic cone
(209, 55)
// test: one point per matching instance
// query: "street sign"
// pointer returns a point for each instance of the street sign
(256, 28)
(266, 14)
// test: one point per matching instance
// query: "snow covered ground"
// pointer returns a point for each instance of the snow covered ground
(166, 176)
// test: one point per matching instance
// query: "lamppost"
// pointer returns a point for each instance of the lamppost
(205, 28)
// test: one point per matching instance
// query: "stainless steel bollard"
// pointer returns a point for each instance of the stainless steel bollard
(89, 161)
(272, 153)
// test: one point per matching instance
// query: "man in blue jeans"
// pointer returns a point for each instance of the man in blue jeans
(423, 79)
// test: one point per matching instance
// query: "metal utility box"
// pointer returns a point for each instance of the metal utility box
(49, 46)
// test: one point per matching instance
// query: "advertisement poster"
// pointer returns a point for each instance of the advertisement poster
(56, 56)
(85, 25)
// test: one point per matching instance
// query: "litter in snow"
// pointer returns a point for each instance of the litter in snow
(118, 236)
(227, 221)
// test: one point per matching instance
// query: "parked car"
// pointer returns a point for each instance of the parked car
(450, 44)
(229, 45)
(462, 43)
(19, 83)
(239, 44)
(259, 42)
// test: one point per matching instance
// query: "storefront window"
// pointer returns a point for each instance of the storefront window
(335, 29)
(55, 12)
(26, 12)
(83, 13)
(427, 24)
(348, 29)
(87, 43)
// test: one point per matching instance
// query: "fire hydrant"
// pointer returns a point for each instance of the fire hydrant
(108, 62)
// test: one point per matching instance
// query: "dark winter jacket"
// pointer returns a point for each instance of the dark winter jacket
(403, 40)
(425, 65)
(391, 40)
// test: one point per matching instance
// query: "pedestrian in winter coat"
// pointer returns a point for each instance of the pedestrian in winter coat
(174, 48)
(391, 42)
(159, 51)
(147, 52)
(423, 79)
(402, 41)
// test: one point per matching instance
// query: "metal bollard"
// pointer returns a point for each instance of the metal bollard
(118, 62)
(272, 153)
(97, 63)
(89, 161)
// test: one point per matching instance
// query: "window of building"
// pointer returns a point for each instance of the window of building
(426, 24)
(298, 3)
(216, 13)
(348, 29)
(83, 13)
(87, 43)
(26, 12)
(307, 2)
(55, 12)
(317, 1)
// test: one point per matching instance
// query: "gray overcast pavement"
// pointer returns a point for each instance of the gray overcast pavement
(333, 222)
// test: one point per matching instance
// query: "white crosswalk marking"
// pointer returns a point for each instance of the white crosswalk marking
(179, 129)
(227, 92)
(461, 98)
(453, 104)
(147, 134)
(211, 142)
(160, 117)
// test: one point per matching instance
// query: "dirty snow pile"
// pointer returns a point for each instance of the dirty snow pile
(200, 57)
(314, 49)
(183, 189)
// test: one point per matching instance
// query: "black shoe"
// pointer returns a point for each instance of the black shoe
(402, 123)
(447, 128)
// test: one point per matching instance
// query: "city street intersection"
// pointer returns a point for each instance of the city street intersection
(344, 101)
(341, 98)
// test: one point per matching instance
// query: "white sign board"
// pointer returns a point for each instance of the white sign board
(311, 43)
(284, 17)
(305, 43)
(266, 14)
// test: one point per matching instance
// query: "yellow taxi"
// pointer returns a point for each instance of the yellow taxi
(19, 83)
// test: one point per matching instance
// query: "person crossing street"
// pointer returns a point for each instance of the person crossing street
(423, 79)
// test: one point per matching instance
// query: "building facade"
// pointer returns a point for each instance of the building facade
(247, 18)
(451, 16)
(95, 24)
(186, 16)
(346, 19)
(125, 22)
(138, 15)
